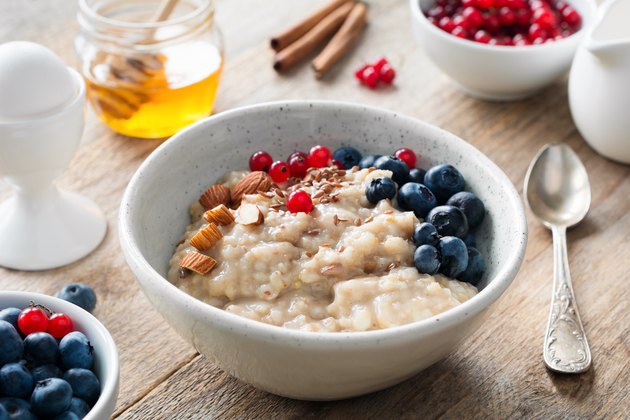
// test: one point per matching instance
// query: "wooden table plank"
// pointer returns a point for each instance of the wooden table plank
(497, 373)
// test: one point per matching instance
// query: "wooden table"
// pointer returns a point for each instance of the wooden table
(497, 373)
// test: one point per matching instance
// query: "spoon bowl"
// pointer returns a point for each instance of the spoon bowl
(557, 189)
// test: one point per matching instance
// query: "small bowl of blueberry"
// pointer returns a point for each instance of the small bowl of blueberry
(57, 361)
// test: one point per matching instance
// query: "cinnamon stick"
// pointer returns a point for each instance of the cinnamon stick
(292, 34)
(342, 41)
(295, 52)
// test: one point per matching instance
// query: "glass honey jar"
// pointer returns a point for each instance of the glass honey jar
(149, 75)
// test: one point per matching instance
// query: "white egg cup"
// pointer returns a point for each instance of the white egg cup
(42, 226)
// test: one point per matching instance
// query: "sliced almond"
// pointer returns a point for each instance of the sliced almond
(254, 182)
(219, 215)
(214, 196)
(206, 237)
(199, 263)
(250, 214)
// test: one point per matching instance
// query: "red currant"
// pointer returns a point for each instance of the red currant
(370, 77)
(473, 17)
(378, 64)
(469, 3)
(523, 17)
(571, 16)
(299, 201)
(406, 155)
(387, 74)
(492, 23)
(279, 171)
(359, 73)
(484, 4)
(436, 12)
(459, 32)
(446, 23)
(298, 165)
(260, 161)
(535, 31)
(296, 154)
(507, 17)
(337, 164)
(482, 36)
(59, 325)
(32, 320)
(545, 18)
(319, 156)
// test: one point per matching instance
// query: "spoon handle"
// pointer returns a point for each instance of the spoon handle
(566, 348)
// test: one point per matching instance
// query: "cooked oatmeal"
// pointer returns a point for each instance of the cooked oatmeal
(346, 266)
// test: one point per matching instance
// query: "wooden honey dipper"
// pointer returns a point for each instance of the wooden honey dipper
(134, 76)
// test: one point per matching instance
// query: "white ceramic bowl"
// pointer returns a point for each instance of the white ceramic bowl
(105, 352)
(299, 364)
(498, 72)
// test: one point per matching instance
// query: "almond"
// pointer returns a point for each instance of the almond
(252, 183)
(250, 214)
(199, 263)
(206, 237)
(219, 215)
(215, 195)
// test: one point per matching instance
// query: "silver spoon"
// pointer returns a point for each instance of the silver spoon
(558, 193)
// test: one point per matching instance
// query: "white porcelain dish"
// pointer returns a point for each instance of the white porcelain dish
(299, 364)
(499, 73)
(105, 353)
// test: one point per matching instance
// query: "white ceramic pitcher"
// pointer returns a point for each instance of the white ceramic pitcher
(599, 83)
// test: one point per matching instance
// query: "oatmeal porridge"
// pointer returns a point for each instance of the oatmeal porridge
(345, 265)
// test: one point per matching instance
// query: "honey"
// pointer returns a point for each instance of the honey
(157, 108)
(149, 79)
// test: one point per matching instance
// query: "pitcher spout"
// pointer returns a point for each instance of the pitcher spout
(610, 38)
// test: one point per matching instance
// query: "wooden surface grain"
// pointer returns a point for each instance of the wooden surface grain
(496, 373)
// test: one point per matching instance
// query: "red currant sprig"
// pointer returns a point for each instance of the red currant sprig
(38, 318)
(372, 74)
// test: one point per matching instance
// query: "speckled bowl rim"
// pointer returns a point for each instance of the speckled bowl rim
(256, 329)
(110, 378)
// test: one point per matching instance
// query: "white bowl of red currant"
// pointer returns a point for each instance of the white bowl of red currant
(502, 49)
(298, 362)
(56, 360)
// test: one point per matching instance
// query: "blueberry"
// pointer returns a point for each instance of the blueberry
(67, 415)
(368, 161)
(399, 169)
(476, 267)
(4, 414)
(417, 198)
(15, 380)
(417, 175)
(84, 383)
(348, 156)
(11, 345)
(427, 259)
(471, 205)
(76, 351)
(17, 408)
(46, 371)
(449, 221)
(41, 349)
(80, 294)
(51, 397)
(425, 234)
(444, 181)
(470, 239)
(454, 256)
(10, 315)
(79, 407)
(379, 189)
